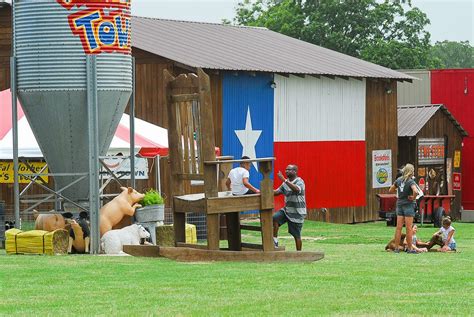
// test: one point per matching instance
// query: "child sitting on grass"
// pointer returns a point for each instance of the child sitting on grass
(447, 234)
(417, 244)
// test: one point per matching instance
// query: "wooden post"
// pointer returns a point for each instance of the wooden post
(179, 219)
(266, 221)
(233, 231)
(208, 152)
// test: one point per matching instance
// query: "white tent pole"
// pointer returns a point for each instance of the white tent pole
(158, 174)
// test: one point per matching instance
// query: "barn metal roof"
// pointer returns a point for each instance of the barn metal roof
(411, 119)
(226, 47)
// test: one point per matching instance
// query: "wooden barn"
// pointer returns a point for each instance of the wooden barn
(324, 111)
(432, 139)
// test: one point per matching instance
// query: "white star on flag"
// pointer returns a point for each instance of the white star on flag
(248, 138)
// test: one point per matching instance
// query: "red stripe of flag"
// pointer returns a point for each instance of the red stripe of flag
(334, 172)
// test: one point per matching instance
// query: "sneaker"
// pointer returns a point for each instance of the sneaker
(411, 251)
(275, 242)
(396, 251)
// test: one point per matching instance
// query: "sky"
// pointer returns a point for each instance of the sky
(450, 19)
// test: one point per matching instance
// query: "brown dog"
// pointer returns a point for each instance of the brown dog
(436, 239)
(391, 245)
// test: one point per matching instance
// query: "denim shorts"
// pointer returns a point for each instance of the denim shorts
(406, 210)
(452, 245)
(293, 228)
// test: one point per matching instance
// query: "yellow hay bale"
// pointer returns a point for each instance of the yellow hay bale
(37, 242)
(10, 240)
(165, 235)
(191, 234)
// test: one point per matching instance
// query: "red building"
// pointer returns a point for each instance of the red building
(455, 89)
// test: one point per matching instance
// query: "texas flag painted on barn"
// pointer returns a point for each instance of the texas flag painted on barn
(315, 123)
(247, 112)
(319, 125)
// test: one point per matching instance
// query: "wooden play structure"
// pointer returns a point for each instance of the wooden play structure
(193, 158)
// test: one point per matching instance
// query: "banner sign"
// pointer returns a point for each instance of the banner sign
(456, 181)
(6, 172)
(431, 151)
(381, 168)
(102, 25)
(121, 168)
(457, 159)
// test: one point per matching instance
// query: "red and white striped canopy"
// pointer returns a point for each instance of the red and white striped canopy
(150, 140)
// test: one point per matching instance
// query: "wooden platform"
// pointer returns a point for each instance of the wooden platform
(225, 202)
(184, 254)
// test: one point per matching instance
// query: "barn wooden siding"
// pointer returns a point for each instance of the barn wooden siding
(5, 46)
(381, 133)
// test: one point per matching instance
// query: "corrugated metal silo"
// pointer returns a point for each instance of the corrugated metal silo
(51, 42)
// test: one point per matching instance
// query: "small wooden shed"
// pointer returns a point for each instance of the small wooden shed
(431, 139)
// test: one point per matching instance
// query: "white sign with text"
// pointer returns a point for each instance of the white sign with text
(381, 168)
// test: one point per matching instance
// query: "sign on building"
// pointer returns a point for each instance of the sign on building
(381, 168)
(6, 171)
(121, 168)
(456, 181)
(431, 151)
(457, 159)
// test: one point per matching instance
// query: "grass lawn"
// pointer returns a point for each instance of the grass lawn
(356, 277)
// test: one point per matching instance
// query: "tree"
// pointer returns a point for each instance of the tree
(454, 54)
(390, 33)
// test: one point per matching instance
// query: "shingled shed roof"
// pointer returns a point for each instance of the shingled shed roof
(411, 119)
(239, 48)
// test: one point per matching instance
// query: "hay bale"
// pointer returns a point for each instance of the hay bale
(10, 240)
(165, 235)
(56, 242)
(37, 242)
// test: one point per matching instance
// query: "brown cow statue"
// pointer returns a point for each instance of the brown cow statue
(52, 221)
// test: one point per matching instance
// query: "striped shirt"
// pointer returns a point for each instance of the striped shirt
(295, 202)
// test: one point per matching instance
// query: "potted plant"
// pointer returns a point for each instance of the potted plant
(153, 207)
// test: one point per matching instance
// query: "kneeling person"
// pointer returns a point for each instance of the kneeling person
(294, 211)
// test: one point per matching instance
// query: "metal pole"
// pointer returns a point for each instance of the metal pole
(132, 127)
(158, 174)
(93, 129)
(16, 186)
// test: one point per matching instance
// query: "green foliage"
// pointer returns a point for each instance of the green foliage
(390, 33)
(356, 278)
(454, 54)
(152, 197)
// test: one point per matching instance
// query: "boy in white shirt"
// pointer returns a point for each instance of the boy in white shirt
(238, 180)
(447, 234)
